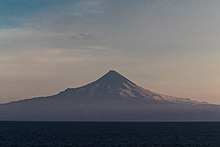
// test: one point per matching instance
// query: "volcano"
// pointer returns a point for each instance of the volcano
(111, 98)
(114, 86)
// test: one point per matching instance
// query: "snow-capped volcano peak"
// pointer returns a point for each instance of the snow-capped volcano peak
(118, 85)
(112, 84)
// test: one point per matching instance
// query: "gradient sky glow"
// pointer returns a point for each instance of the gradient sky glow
(171, 47)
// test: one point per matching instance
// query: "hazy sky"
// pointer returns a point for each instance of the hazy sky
(168, 46)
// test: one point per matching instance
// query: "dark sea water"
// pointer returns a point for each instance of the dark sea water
(109, 134)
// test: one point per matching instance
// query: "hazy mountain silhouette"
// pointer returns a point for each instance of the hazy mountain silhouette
(112, 97)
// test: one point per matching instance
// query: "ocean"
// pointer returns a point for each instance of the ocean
(109, 134)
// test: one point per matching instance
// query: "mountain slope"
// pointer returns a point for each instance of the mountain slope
(112, 97)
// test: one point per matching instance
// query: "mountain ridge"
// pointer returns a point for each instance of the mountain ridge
(111, 97)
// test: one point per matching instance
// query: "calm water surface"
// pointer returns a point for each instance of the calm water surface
(109, 134)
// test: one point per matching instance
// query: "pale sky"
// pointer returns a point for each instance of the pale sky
(168, 46)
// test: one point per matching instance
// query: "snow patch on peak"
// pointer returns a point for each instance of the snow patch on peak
(125, 92)
(127, 86)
